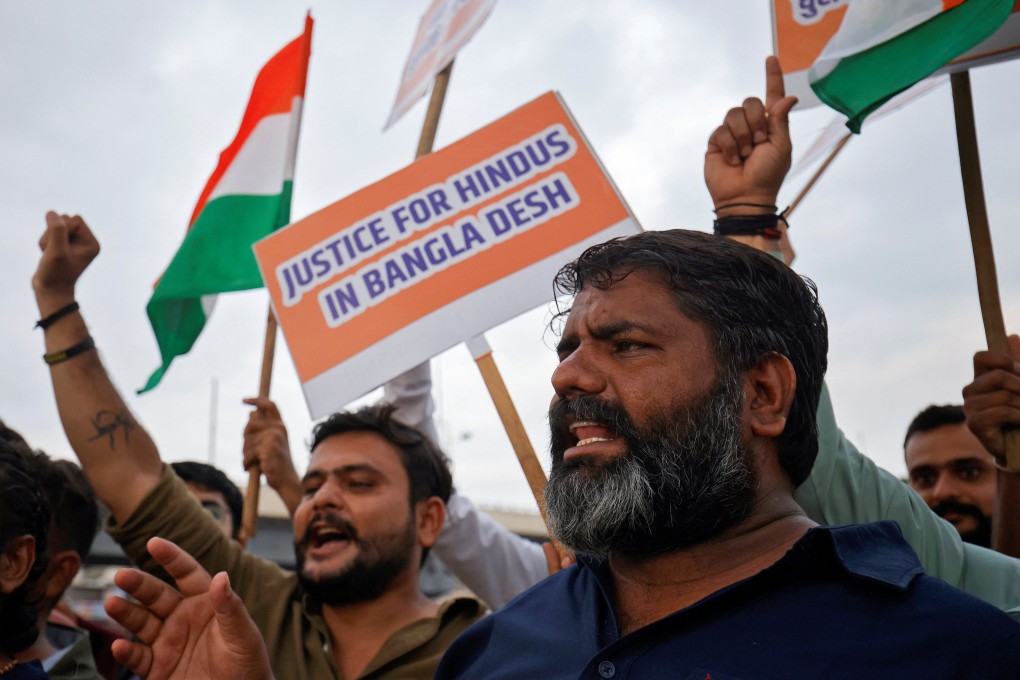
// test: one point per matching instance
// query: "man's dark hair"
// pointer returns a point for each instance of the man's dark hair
(23, 511)
(73, 510)
(428, 468)
(14, 438)
(935, 415)
(213, 479)
(751, 302)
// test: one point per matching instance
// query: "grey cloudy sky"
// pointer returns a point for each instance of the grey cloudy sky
(117, 110)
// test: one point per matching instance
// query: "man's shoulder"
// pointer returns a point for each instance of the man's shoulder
(555, 621)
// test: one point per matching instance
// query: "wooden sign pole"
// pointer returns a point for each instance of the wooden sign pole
(980, 236)
(249, 522)
(988, 286)
(818, 173)
(533, 471)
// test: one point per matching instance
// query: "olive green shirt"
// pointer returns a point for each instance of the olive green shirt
(291, 624)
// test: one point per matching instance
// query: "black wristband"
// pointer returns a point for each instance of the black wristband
(748, 225)
(82, 347)
(48, 321)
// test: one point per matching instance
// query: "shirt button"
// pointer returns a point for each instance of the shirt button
(606, 669)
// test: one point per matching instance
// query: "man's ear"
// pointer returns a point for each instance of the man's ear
(16, 562)
(429, 517)
(63, 567)
(769, 389)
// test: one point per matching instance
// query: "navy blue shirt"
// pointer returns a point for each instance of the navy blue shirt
(844, 602)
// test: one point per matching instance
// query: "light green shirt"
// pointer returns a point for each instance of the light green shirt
(846, 487)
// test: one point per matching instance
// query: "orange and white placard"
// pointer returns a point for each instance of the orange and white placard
(446, 26)
(452, 245)
(801, 29)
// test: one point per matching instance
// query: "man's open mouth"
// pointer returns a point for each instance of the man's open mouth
(589, 432)
(321, 536)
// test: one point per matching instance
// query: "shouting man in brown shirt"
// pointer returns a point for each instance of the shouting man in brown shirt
(373, 503)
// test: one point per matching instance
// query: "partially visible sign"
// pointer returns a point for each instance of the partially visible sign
(439, 252)
(445, 28)
(802, 28)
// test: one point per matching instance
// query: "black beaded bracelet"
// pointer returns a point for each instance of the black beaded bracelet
(48, 321)
(82, 347)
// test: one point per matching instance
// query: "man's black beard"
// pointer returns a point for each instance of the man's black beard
(375, 567)
(981, 534)
(684, 478)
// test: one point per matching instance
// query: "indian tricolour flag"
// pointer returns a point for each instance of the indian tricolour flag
(246, 198)
(884, 46)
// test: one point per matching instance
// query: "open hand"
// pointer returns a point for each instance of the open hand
(201, 632)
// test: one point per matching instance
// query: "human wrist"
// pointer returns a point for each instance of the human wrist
(751, 204)
(49, 300)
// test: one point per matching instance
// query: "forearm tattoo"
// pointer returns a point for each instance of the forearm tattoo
(107, 423)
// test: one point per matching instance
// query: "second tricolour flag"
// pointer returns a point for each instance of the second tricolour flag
(246, 198)
(883, 47)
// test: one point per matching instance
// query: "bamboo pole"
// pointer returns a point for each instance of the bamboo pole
(431, 125)
(249, 522)
(818, 173)
(784, 242)
(980, 236)
(533, 472)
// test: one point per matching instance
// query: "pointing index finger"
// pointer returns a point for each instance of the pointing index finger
(775, 87)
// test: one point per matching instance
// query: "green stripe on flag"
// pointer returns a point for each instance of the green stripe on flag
(215, 257)
(861, 83)
(176, 323)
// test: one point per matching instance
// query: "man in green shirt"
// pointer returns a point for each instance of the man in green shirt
(373, 503)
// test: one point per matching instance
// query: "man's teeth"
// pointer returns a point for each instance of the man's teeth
(323, 536)
(585, 427)
(584, 423)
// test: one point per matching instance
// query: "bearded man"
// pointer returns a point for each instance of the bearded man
(683, 420)
(951, 470)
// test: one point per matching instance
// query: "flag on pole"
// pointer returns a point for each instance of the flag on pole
(246, 198)
(884, 47)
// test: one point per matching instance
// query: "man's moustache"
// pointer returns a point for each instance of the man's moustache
(954, 508)
(589, 408)
(332, 520)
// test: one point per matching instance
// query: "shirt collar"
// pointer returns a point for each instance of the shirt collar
(875, 551)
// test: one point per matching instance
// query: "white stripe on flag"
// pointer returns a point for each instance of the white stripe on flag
(258, 168)
(868, 23)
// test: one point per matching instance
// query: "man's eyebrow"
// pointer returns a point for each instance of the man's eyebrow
(566, 344)
(970, 460)
(604, 332)
(312, 474)
(611, 330)
(356, 467)
(341, 470)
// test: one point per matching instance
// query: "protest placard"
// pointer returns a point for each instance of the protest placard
(802, 28)
(450, 246)
(446, 26)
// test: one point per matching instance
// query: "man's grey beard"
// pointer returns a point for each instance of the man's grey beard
(684, 478)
